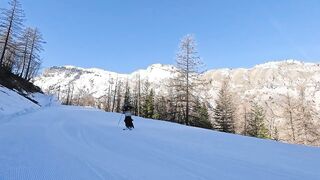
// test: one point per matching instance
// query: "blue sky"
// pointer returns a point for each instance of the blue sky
(125, 35)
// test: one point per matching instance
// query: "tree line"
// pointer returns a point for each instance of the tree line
(20, 46)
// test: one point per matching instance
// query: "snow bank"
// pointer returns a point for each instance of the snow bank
(45, 100)
(11, 102)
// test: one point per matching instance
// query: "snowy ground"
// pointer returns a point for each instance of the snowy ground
(11, 102)
(63, 142)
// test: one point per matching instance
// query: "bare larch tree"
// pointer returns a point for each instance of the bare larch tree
(11, 23)
(188, 65)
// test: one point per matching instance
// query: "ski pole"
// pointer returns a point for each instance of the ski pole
(120, 119)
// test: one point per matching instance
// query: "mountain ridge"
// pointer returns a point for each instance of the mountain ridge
(267, 64)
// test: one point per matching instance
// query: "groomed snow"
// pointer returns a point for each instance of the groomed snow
(65, 142)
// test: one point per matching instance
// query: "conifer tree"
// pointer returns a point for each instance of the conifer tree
(256, 126)
(224, 112)
(127, 96)
(160, 106)
(200, 117)
(148, 106)
(36, 42)
(119, 97)
(186, 81)
(25, 42)
(144, 96)
(11, 23)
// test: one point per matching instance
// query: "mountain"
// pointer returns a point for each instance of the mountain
(97, 81)
(269, 76)
(270, 85)
(53, 141)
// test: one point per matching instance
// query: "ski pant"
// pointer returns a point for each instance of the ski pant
(128, 121)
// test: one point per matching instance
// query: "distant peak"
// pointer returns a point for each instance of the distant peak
(160, 66)
(156, 65)
(275, 64)
(93, 70)
(70, 67)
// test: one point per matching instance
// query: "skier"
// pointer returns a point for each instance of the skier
(127, 113)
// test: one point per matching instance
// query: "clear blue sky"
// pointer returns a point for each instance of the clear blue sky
(125, 35)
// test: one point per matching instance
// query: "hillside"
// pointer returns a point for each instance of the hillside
(14, 103)
(13, 81)
(269, 85)
(67, 142)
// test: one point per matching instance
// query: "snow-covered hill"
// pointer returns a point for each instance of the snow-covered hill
(66, 142)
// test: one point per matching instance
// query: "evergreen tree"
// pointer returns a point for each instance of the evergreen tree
(114, 95)
(148, 106)
(136, 93)
(119, 97)
(144, 97)
(172, 104)
(161, 108)
(200, 116)
(127, 96)
(256, 126)
(224, 112)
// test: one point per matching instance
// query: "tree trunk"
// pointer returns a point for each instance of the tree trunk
(31, 54)
(114, 96)
(7, 35)
(24, 57)
(187, 98)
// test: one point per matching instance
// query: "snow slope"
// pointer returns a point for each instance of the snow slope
(11, 102)
(65, 142)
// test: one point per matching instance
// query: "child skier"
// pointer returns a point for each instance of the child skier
(128, 120)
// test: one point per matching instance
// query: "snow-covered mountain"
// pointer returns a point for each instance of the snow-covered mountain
(260, 82)
(53, 141)
(97, 81)
(266, 84)
(272, 76)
